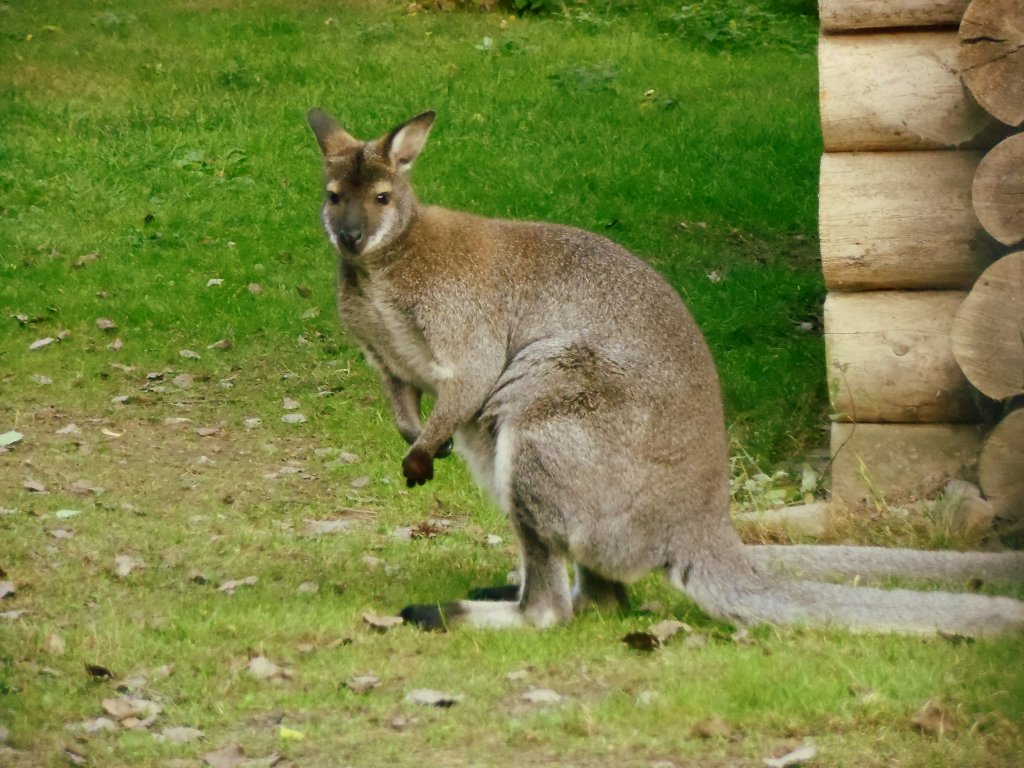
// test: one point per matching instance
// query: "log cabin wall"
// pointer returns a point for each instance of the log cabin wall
(921, 223)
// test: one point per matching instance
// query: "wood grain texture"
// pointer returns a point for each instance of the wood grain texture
(890, 358)
(841, 15)
(900, 220)
(897, 91)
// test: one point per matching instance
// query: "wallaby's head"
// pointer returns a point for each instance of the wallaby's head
(368, 200)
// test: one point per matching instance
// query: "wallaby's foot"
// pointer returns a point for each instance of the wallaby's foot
(506, 593)
(481, 614)
(433, 617)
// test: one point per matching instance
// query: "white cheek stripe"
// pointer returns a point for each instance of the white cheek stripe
(327, 228)
(387, 222)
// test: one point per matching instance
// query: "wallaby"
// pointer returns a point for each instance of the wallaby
(585, 401)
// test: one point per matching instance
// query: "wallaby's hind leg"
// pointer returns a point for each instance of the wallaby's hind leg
(594, 591)
(544, 598)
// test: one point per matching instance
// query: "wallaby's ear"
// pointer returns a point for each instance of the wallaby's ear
(403, 145)
(332, 138)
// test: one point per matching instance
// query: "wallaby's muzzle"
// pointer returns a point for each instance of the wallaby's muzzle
(350, 237)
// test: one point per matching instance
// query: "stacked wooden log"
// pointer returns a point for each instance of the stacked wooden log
(921, 208)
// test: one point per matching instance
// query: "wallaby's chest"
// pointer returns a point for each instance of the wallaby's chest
(388, 334)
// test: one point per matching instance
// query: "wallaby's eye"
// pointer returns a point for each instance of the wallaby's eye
(333, 198)
(384, 198)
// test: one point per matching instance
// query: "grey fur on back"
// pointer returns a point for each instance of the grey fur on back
(584, 399)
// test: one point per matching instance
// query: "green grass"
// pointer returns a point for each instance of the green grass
(169, 139)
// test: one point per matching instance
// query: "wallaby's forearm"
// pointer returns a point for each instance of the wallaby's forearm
(405, 406)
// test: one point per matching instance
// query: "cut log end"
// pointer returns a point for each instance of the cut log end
(991, 57)
(988, 330)
(998, 191)
(1001, 468)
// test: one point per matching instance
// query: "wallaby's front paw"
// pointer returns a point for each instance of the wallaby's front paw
(418, 467)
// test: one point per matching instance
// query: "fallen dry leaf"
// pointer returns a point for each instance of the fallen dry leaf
(10, 438)
(362, 683)
(642, 641)
(664, 630)
(228, 757)
(179, 735)
(542, 696)
(34, 486)
(125, 564)
(133, 684)
(262, 668)
(105, 324)
(798, 756)
(98, 671)
(293, 418)
(82, 488)
(429, 529)
(931, 720)
(712, 728)
(11, 615)
(85, 258)
(96, 725)
(427, 697)
(382, 623)
(222, 344)
(229, 587)
(6, 589)
(132, 712)
(54, 645)
(40, 343)
(188, 354)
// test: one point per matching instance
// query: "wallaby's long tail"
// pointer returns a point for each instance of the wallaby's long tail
(818, 562)
(738, 589)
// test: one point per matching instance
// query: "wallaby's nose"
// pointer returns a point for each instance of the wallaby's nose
(350, 237)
